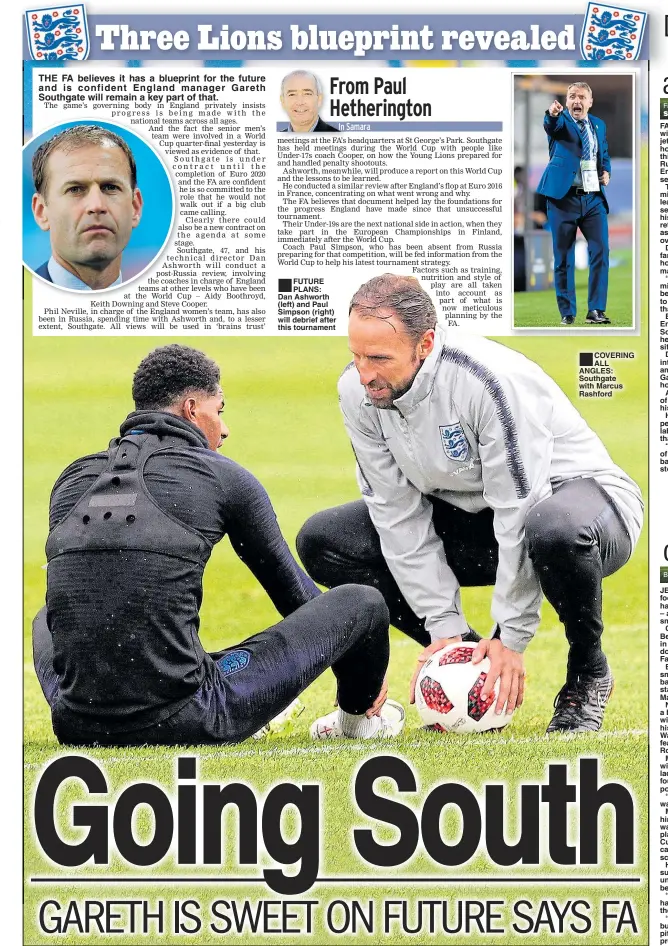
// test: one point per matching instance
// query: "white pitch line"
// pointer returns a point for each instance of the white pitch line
(364, 746)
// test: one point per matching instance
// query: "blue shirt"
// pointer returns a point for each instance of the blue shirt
(66, 280)
(593, 147)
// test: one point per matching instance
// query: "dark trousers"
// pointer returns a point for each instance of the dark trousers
(587, 212)
(574, 537)
(250, 683)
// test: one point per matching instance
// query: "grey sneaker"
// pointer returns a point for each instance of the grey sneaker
(580, 704)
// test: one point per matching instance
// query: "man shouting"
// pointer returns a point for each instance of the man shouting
(574, 184)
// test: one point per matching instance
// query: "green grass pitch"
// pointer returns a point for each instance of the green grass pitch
(285, 428)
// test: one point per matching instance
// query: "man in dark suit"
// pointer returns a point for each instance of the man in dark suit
(301, 97)
(574, 184)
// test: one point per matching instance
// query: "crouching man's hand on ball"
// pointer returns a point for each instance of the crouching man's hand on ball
(507, 666)
(425, 655)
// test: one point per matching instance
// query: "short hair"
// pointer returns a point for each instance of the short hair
(403, 295)
(169, 373)
(78, 136)
(302, 72)
(580, 85)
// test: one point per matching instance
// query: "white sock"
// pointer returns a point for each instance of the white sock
(358, 727)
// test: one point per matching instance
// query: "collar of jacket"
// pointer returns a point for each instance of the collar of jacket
(162, 424)
(425, 378)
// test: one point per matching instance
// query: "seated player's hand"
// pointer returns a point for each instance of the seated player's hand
(425, 655)
(555, 108)
(505, 665)
(376, 706)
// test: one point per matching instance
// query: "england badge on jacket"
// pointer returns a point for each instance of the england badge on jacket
(454, 442)
(611, 32)
(58, 34)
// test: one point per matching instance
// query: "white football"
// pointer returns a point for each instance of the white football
(447, 692)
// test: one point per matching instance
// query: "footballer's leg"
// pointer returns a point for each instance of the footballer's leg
(346, 628)
(575, 538)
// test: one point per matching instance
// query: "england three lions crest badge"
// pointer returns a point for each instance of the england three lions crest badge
(58, 34)
(233, 661)
(455, 444)
(611, 33)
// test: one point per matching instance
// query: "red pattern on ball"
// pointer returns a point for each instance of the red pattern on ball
(460, 655)
(434, 696)
(476, 706)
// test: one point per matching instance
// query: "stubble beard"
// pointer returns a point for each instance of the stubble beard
(395, 391)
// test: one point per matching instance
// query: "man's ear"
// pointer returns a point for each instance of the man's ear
(40, 212)
(426, 344)
(137, 205)
(188, 408)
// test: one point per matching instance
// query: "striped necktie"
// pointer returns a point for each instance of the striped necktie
(584, 134)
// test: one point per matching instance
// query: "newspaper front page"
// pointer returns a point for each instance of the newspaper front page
(227, 181)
